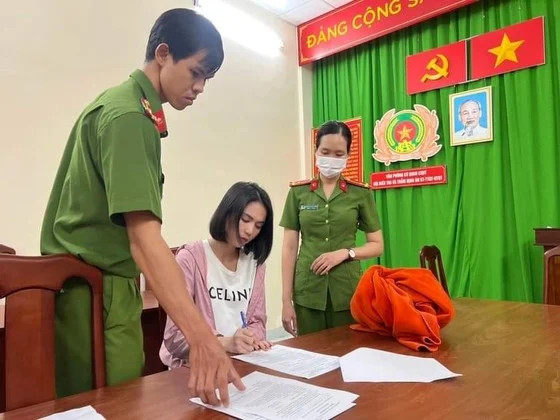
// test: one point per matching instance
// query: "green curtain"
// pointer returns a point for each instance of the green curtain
(497, 192)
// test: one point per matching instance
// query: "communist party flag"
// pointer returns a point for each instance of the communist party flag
(437, 68)
(516, 47)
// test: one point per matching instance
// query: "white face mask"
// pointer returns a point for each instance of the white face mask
(329, 166)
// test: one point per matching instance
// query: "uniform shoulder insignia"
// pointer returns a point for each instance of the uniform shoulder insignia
(358, 184)
(301, 182)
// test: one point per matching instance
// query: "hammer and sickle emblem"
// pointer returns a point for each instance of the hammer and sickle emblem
(440, 65)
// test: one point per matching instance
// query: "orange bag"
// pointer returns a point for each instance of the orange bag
(406, 303)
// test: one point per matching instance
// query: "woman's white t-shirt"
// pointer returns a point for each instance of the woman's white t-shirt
(230, 291)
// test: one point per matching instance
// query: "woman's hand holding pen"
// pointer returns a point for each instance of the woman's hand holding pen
(243, 341)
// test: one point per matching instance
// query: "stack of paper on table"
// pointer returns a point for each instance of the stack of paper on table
(370, 365)
(272, 397)
(84, 413)
(297, 362)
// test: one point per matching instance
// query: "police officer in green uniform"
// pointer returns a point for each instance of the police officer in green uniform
(105, 208)
(319, 282)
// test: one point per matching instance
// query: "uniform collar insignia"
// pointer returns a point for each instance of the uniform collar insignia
(158, 118)
(314, 185)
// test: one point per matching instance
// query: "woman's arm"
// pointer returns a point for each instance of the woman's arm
(175, 347)
(371, 249)
(289, 256)
(256, 310)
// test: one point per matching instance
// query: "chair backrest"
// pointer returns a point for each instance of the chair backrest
(552, 276)
(29, 285)
(7, 250)
(430, 257)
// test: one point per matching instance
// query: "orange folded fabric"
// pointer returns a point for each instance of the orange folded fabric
(408, 304)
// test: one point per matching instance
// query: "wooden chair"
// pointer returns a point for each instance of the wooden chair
(430, 256)
(7, 250)
(552, 276)
(29, 285)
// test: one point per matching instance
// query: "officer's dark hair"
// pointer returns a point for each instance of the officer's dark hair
(334, 127)
(187, 32)
(230, 210)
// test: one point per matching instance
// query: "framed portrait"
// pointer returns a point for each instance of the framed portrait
(470, 113)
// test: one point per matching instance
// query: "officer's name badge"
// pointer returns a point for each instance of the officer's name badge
(309, 207)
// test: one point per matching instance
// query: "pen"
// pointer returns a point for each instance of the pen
(243, 319)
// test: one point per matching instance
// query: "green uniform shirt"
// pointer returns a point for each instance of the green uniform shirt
(111, 165)
(325, 226)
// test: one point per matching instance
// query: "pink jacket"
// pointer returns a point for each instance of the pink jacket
(192, 260)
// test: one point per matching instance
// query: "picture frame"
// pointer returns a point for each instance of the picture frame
(471, 117)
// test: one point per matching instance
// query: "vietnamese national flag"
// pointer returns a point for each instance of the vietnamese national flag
(512, 48)
(437, 68)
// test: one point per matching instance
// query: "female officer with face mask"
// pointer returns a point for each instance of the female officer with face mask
(318, 283)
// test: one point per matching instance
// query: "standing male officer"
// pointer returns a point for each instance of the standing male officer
(105, 208)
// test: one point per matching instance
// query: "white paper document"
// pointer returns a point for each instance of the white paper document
(370, 365)
(272, 397)
(296, 362)
(84, 413)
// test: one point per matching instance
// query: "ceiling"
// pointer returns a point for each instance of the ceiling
(299, 11)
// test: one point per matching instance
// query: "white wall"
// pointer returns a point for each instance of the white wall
(58, 55)
(305, 98)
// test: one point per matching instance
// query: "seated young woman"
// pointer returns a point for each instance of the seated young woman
(225, 275)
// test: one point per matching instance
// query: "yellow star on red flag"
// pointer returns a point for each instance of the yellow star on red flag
(506, 51)
(516, 47)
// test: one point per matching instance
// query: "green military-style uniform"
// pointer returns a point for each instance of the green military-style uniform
(111, 165)
(323, 301)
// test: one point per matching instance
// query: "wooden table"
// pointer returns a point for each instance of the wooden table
(508, 352)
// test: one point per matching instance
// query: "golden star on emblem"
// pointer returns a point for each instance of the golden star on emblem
(405, 132)
(506, 51)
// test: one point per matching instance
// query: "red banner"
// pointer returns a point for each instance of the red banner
(437, 68)
(355, 165)
(508, 49)
(429, 175)
(363, 20)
